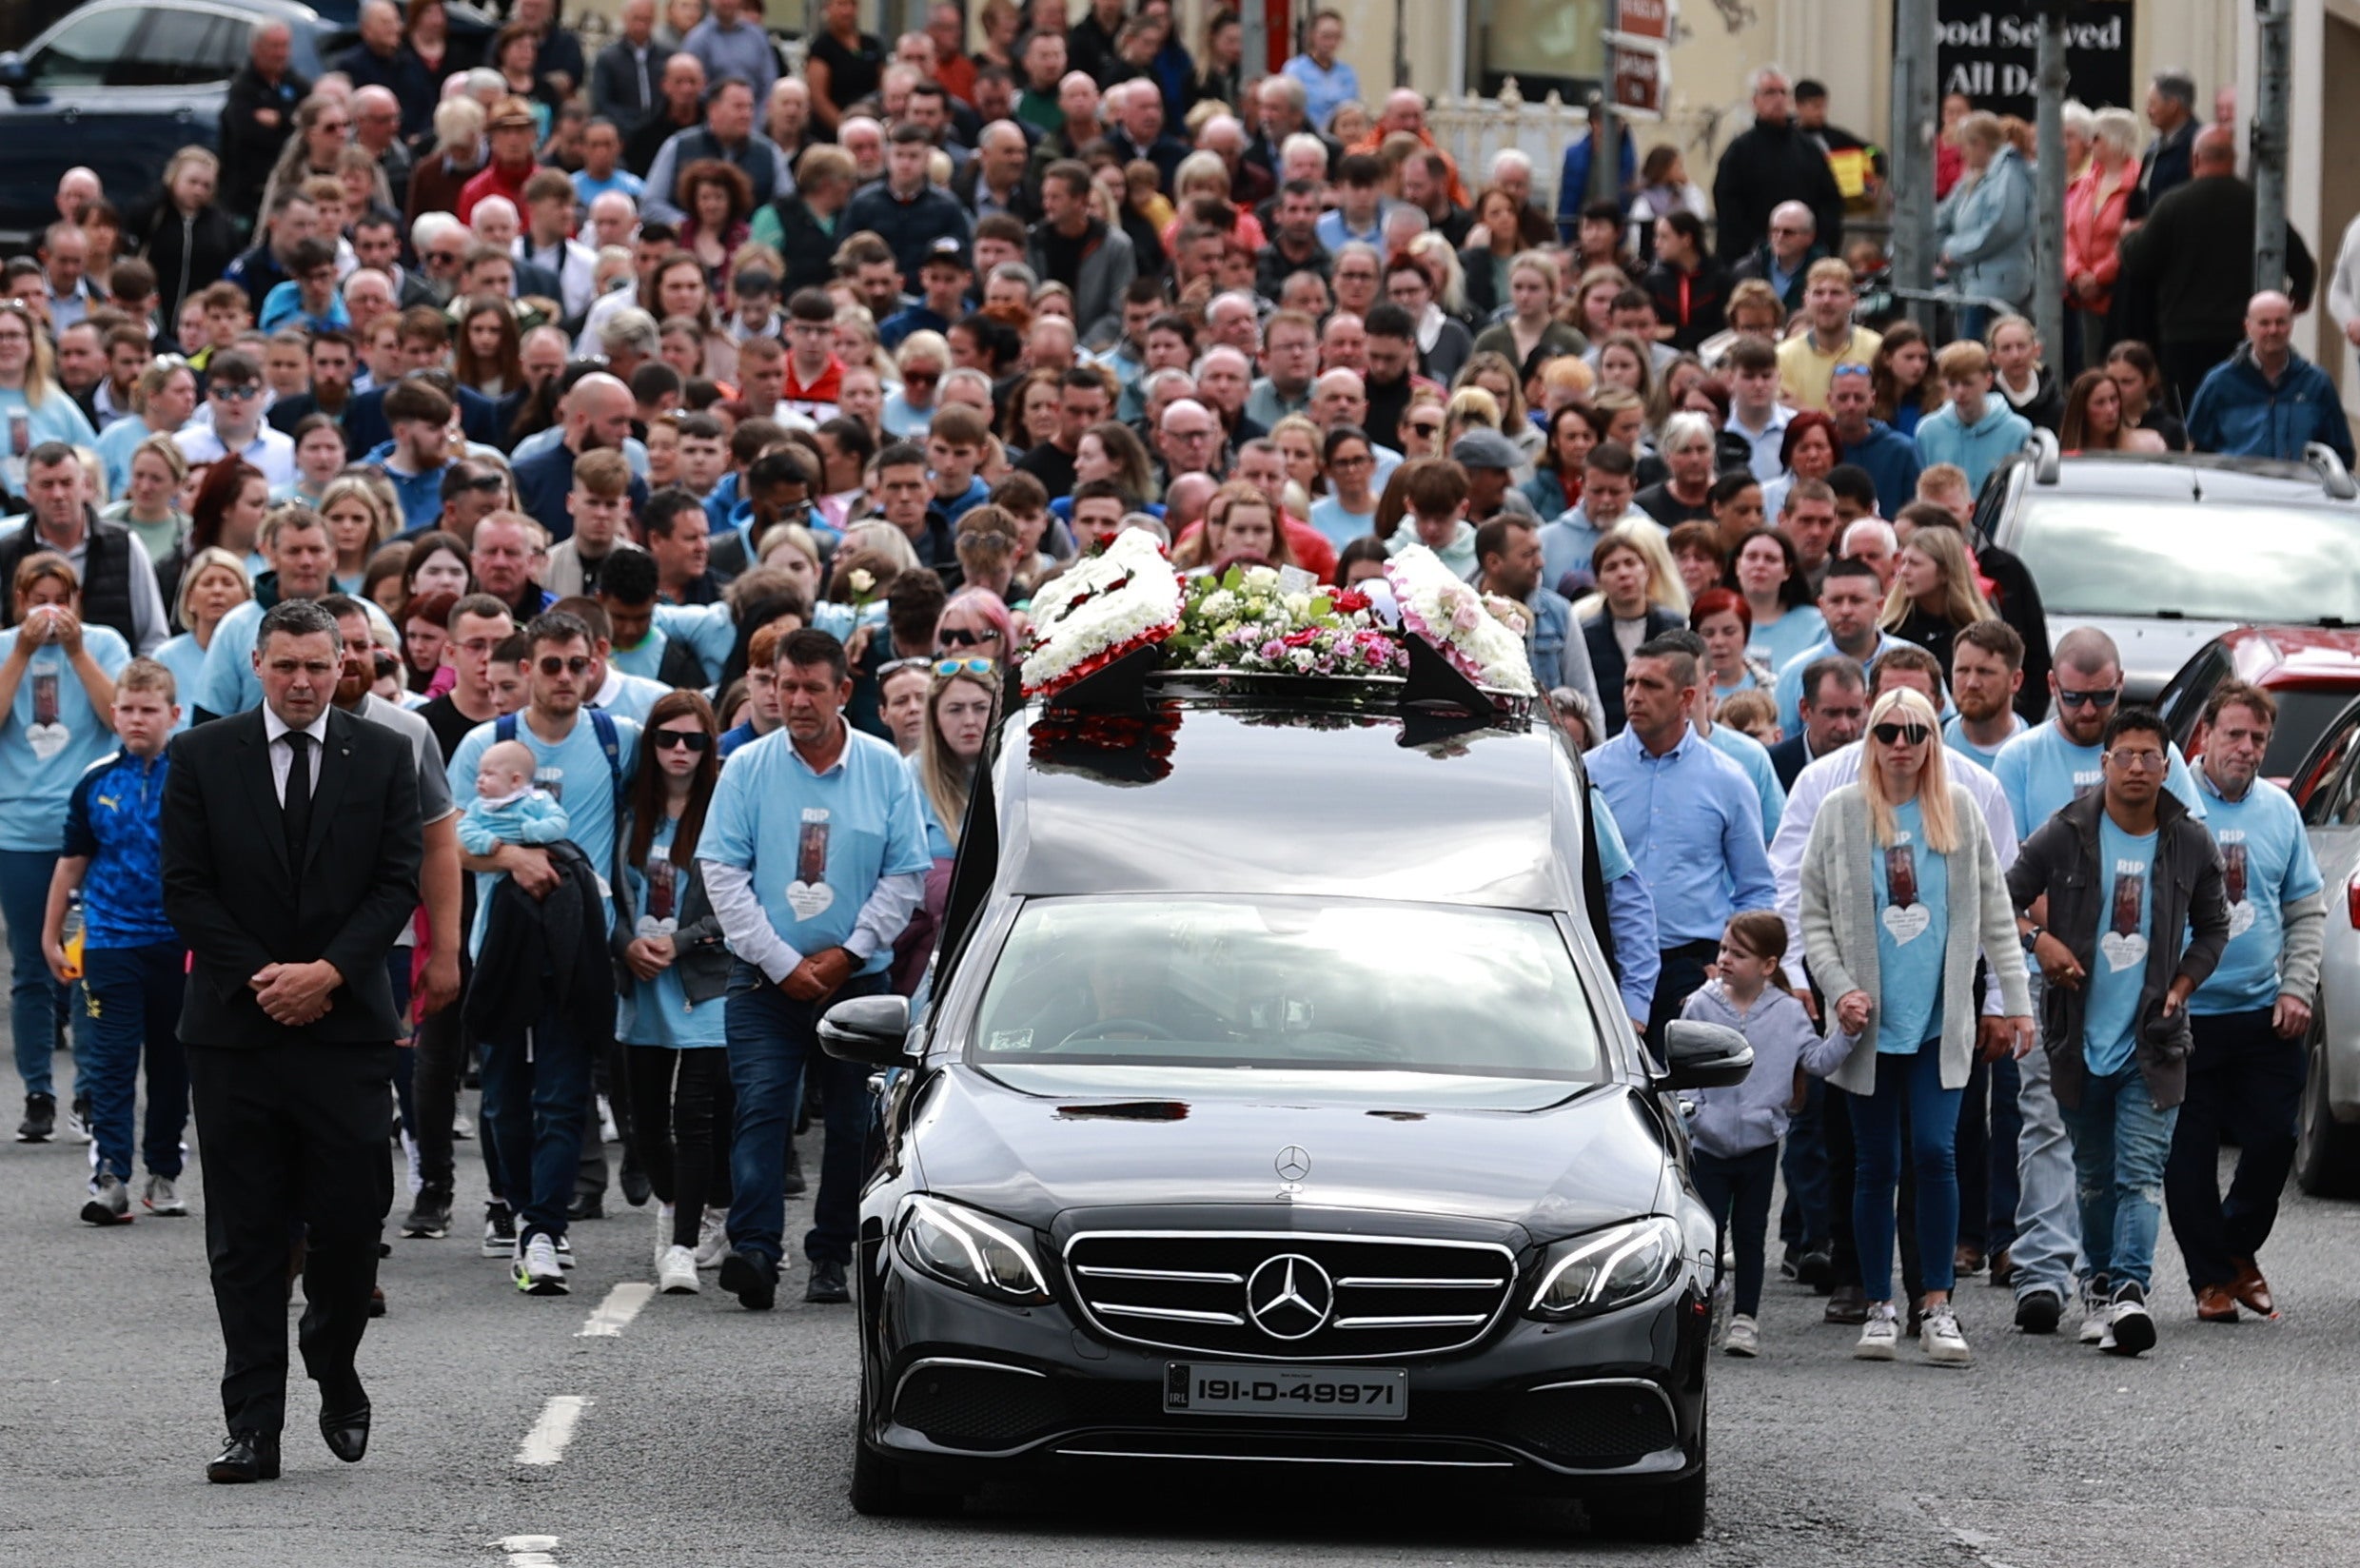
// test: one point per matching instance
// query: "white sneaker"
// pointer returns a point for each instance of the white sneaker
(607, 1131)
(1880, 1336)
(1745, 1337)
(565, 1251)
(536, 1271)
(676, 1273)
(463, 1126)
(162, 1197)
(712, 1239)
(663, 1231)
(1939, 1338)
(2098, 1310)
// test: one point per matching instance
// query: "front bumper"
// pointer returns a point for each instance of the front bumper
(973, 1391)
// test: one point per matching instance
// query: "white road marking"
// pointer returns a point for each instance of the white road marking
(611, 1316)
(546, 1444)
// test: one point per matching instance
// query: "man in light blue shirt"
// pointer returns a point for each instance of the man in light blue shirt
(813, 854)
(1326, 81)
(1609, 479)
(303, 566)
(2250, 1017)
(1690, 817)
(1972, 430)
(537, 1087)
(726, 43)
(1850, 600)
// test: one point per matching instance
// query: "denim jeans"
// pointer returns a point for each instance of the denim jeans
(772, 1044)
(2048, 1226)
(132, 998)
(36, 1002)
(2245, 1080)
(1907, 1088)
(1737, 1189)
(2120, 1144)
(534, 1090)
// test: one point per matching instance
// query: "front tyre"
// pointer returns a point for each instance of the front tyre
(1671, 1514)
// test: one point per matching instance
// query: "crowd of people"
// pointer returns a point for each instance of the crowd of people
(665, 444)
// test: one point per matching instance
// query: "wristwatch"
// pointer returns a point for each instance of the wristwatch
(2033, 936)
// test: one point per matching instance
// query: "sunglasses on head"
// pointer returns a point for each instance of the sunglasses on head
(691, 740)
(1898, 735)
(553, 666)
(896, 666)
(959, 637)
(963, 666)
(2090, 700)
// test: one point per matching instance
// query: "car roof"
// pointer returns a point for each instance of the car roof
(2192, 476)
(1246, 797)
(2295, 654)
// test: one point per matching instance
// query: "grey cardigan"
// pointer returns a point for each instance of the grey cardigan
(1840, 931)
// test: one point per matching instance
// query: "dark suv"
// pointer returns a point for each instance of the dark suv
(2164, 553)
(1275, 1106)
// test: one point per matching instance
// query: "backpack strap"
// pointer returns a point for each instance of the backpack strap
(610, 741)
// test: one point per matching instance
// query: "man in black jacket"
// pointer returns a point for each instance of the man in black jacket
(1770, 164)
(257, 117)
(291, 856)
(2127, 872)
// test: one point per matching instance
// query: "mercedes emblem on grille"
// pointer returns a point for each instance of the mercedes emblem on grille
(1290, 1297)
(1294, 1163)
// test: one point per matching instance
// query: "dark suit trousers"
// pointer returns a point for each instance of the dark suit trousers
(291, 1134)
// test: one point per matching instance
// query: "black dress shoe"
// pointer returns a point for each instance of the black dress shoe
(1847, 1303)
(753, 1279)
(637, 1188)
(247, 1457)
(345, 1421)
(796, 1184)
(586, 1206)
(827, 1282)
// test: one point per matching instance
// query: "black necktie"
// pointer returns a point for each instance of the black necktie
(296, 809)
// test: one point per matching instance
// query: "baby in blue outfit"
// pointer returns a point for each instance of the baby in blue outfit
(506, 809)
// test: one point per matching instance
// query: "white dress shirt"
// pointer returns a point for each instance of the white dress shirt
(282, 750)
(1832, 773)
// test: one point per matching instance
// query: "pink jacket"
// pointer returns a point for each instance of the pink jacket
(2094, 233)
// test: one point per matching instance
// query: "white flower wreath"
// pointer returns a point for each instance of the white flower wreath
(1100, 609)
(1458, 621)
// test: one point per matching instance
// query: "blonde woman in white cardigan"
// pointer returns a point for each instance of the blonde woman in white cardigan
(1901, 888)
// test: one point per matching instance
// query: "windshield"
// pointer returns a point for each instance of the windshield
(2110, 557)
(1294, 986)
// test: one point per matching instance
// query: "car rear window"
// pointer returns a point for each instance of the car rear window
(2109, 555)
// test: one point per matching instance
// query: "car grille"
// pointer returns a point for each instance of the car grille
(1353, 1298)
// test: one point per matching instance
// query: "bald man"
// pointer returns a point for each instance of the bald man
(596, 414)
(2267, 400)
(2193, 258)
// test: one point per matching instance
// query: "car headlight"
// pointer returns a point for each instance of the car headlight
(1608, 1268)
(961, 1248)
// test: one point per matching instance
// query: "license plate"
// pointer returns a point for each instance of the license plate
(1325, 1393)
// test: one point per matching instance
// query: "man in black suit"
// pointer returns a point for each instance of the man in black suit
(1835, 710)
(290, 1018)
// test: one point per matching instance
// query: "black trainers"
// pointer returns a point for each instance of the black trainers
(2039, 1311)
(40, 1122)
(430, 1218)
(827, 1282)
(499, 1232)
(753, 1279)
(2131, 1329)
(796, 1184)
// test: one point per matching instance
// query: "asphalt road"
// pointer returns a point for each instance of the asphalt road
(706, 1434)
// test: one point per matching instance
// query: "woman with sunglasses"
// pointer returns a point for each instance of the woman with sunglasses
(1901, 889)
(974, 622)
(668, 940)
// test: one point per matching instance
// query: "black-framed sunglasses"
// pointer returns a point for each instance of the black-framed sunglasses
(2106, 698)
(553, 666)
(689, 740)
(960, 636)
(1896, 735)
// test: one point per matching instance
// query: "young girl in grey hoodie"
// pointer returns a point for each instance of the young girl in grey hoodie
(1736, 1131)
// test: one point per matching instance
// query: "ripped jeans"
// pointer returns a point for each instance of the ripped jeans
(2121, 1145)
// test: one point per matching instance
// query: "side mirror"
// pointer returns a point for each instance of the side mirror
(1702, 1055)
(872, 1030)
(13, 74)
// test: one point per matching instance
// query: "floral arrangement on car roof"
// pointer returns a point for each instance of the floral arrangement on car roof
(1480, 634)
(1100, 609)
(1257, 620)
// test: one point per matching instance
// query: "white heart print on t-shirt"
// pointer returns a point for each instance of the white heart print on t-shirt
(1907, 922)
(46, 740)
(2122, 952)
